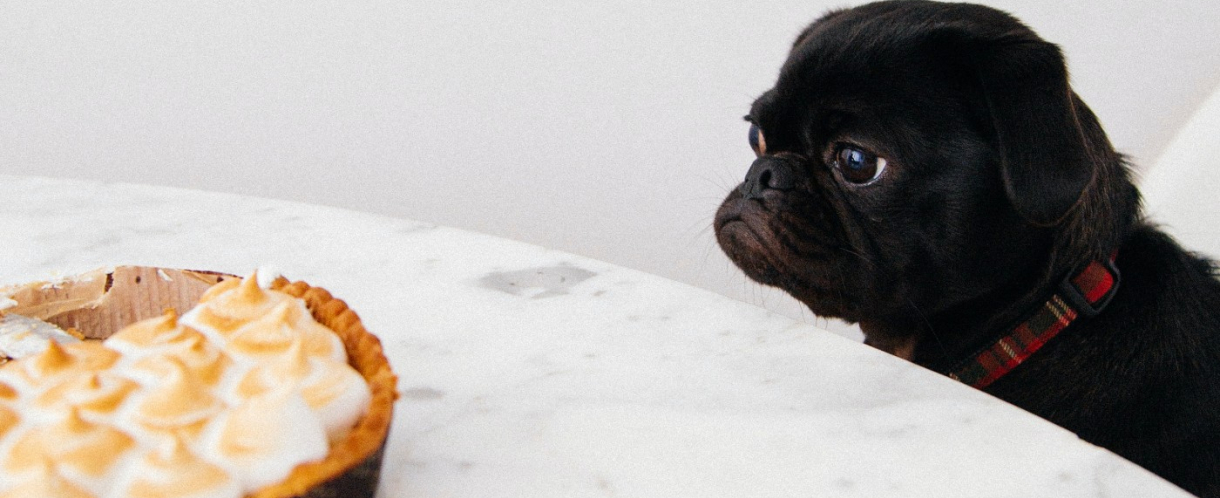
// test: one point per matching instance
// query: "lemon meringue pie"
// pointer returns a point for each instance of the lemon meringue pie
(257, 391)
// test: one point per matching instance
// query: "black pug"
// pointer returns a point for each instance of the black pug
(925, 170)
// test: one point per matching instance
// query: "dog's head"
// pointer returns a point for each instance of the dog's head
(914, 156)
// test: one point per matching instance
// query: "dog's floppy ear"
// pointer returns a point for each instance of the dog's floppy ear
(1045, 160)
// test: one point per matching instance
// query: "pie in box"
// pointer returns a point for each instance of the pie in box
(265, 388)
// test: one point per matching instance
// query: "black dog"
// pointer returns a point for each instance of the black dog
(925, 170)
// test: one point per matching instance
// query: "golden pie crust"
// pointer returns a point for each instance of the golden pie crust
(353, 466)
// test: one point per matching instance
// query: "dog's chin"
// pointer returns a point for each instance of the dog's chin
(744, 233)
(753, 239)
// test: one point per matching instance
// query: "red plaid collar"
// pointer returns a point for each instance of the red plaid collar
(1083, 293)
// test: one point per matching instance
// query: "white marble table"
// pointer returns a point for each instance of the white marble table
(526, 372)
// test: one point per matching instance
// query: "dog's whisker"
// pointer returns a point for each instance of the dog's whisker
(864, 259)
(928, 324)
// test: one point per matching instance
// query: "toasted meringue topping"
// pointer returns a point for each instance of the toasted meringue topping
(231, 304)
(91, 356)
(339, 396)
(289, 370)
(148, 336)
(9, 419)
(329, 382)
(275, 333)
(51, 361)
(181, 399)
(268, 436)
(203, 359)
(71, 441)
(175, 472)
(100, 393)
(7, 392)
(220, 288)
(267, 275)
(96, 458)
(58, 361)
(46, 483)
(336, 393)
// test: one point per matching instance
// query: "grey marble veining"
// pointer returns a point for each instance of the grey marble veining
(530, 372)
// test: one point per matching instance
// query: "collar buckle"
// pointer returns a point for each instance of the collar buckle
(1089, 291)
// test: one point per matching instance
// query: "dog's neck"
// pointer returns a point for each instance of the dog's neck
(940, 339)
(949, 337)
(981, 340)
(943, 337)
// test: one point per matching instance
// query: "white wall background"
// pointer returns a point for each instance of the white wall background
(610, 129)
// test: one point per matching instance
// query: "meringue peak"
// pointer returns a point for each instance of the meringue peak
(58, 360)
(275, 333)
(46, 482)
(268, 436)
(148, 333)
(73, 441)
(9, 419)
(7, 392)
(96, 392)
(181, 399)
(174, 471)
(233, 303)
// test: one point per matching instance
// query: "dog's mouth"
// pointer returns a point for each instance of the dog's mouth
(779, 248)
(744, 233)
(732, 216)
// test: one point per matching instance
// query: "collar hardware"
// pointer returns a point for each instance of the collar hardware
(1091, 290)
(1081, 294)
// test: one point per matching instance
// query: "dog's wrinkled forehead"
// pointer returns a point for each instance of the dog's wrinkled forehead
(886, 57)
(884, 27)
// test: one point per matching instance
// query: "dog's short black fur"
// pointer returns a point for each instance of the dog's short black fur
(926, 170)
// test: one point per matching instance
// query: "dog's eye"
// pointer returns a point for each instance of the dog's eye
(757, 142)
(858, 166)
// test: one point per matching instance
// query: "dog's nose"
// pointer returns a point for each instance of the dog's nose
(767, 172)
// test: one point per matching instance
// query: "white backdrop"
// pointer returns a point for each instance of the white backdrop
(610, 129)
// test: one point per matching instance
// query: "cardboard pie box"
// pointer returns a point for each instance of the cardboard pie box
(101, 302)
